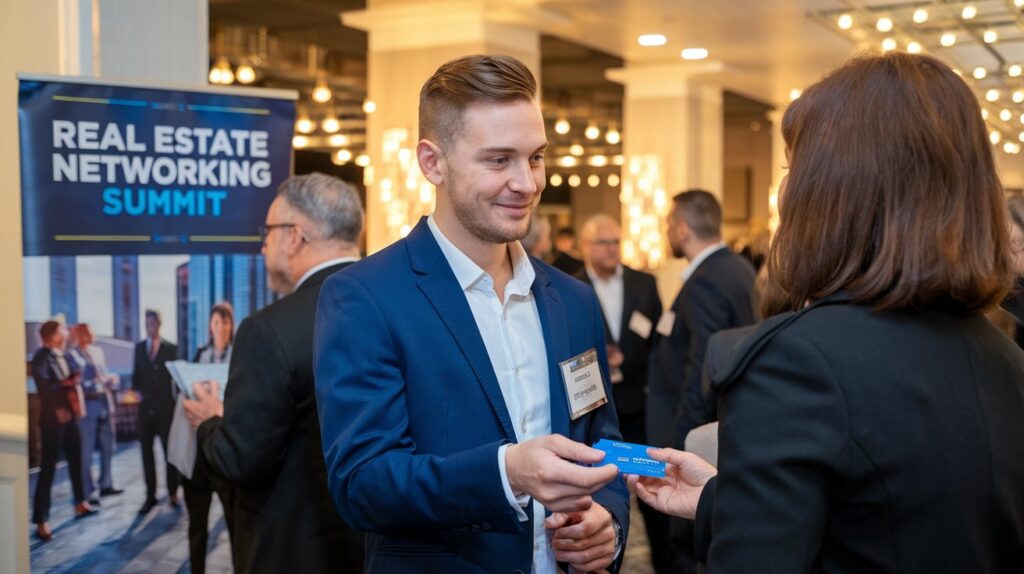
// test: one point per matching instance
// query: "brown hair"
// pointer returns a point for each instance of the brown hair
(48, 329)
(1015, 210)
(892, 193)
(227, 313)
(701, 212)
(467, 80)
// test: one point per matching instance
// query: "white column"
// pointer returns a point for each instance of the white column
(157, 40)
(674, 112)
(407, 43)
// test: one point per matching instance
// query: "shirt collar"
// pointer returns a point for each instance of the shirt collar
(617, 276)
(322, 266)
(468, 273)
(700, 257)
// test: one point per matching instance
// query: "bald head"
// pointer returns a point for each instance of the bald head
(599, 244)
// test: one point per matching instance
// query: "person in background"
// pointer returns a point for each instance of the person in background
(874, 427)
(61, 406)
(537, 242)
(565, 255)
(631, 308)
(199, 488)
(263, 440)
(151, 378)
(1013, 305)
(97, 425)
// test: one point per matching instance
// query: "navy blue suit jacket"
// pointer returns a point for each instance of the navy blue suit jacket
(412, 415)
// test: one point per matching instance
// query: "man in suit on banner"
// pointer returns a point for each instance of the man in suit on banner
(480, 374)
(151, 378)
(264, 438)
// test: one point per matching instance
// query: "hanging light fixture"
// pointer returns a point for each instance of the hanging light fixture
(592, 132)
(369, 106)
(562, 126)
(322, 92)
(612, 136)
(305, 125)
(245, 73)
(330, 124)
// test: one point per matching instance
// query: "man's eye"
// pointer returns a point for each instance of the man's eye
(499, 160)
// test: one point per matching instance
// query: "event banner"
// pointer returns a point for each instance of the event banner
(128, 170)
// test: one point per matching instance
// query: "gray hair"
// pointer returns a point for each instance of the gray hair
(332, 205)
(539, 227)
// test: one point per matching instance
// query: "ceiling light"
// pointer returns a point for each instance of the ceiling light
(920, 16)
(694, 53)
(1018, 3)
(369, 106)
(214, 76)
(619, 159)
(562, 126)
(304, 125)
(576, 149)
(362, 160)
(1020, 136)
(1014, 70)
(598, 160)
(1008, 147)
(990, 36)
(612, 136)
(992, 95)
(592, 132)
(221, 72)
(884, 24)
(1005, 115)
(613, 180)
(556, 180)
(1018, 97)
(593, 180)
(330, 124)
(969, 12)
(888, 45)
(984, 114)
(300, 141)
(245, 74)
(342, 156)
(845, 22)
(794, 94)
(338, 140)
(994, 136)
(567, 161)
(980, 73)
(652, 40)
(322, 92)
(574, 180)
(948, 39)
(914, 47)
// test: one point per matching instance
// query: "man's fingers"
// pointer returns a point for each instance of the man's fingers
(556, 520)
(214, 389)
(572, 450)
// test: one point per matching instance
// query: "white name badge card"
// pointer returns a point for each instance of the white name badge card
(640, 324)
(666, 323)
(584, 386)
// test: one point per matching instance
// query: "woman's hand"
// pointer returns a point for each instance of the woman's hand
(678, 493)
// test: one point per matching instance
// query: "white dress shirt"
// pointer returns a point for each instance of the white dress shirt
(514, 339)
(696, 261)
(611, 296)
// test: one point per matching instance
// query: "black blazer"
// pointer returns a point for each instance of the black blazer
(639, 294)
(53, 393)
(267, 446)
(858, 441)
(152, 379)
(719, 295)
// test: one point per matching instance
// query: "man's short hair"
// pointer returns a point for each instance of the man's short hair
(701, 212)
(156, 315)
(331, 205)
(48, 329)
(468, 80)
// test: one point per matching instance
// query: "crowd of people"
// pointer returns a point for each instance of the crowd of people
(433, 407)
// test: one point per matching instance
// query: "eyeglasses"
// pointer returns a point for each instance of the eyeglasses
(265, 230)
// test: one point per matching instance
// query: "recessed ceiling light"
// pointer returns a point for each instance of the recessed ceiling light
(652, 40)
(694, 53)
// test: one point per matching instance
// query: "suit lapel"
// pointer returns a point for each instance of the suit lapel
(604, 320)
(628, 302)
(439, 286)
(556, 340)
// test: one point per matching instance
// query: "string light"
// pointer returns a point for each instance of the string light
(592, 132)
(322, 92)
(330, 124)
(304, 125)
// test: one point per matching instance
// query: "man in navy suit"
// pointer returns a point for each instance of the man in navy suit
(456, 377)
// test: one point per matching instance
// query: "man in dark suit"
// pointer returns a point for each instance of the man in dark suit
(264, 439)
(631, 308)
(565, 259)
(61, 405)
(151, 378)
(717, 293)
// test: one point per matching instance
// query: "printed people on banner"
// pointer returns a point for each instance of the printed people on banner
(151, 378)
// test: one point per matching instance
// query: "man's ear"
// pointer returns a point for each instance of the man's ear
(295, 239)
(432, 162)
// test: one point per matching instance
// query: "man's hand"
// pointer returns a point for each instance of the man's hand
(615, 357)
(541, 468)
(678, 493)
(585, 540)
(207, 404)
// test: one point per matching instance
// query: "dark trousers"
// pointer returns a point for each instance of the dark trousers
(198, 497)
(154, 424)
(96, 426)
(62, 437)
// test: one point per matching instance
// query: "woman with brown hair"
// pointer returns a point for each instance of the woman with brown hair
(878, 426)
(1014, 304)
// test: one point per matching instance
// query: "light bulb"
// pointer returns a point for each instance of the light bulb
(338, 140)
(845, 22)
(562, 126)
(884, 24)
(592, 132)
(330, 124)
(227, 76)
(992, 95)
(567, 161)
(300, 141)
(994, 137)
(556, 180)
(576, 149)
(598, 160)
(980, 73)
(342, 156)
(694, 53)
(362, 160)
(948, 39)
(593, 180)
(990, 36)
(888, 45)
(920, 16)
(969, 12)
(214, 76)
(612, 136)
(305, 125)
(914, 47)
(1005, 115)
(245, 74)
(1013, 70)
(613, 180)
(369, 106)
(1018, 97)
(1020, 136)
(652, 40)
(794, 94)
(575, 180)
(322, 92)
(984, 114)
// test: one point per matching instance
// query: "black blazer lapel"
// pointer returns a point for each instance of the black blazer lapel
(439, 285)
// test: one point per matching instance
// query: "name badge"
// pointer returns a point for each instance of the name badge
(665, 324)
(640, 324)
(584, 386)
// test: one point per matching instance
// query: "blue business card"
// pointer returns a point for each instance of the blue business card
(630, 458)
